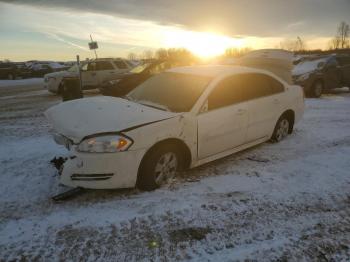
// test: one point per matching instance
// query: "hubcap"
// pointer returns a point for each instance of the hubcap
(282, 130)
(165, 168)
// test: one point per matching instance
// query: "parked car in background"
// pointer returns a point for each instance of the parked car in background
(319, 73)
(40, 69)
(178, 119)
(93, 73)
(125, 83)
(13, 70)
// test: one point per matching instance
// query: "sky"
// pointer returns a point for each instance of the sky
(60, 29)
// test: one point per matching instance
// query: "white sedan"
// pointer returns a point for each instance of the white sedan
(179, 119)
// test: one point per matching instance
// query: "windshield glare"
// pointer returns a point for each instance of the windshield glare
(176, 92)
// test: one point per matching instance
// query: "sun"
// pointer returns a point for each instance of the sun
(203, 44)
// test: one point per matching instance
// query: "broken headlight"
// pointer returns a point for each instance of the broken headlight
(105, 144)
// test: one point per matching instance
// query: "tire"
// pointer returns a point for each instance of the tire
(158, 165)
(10, 76)
(317, 89)
(281, 130)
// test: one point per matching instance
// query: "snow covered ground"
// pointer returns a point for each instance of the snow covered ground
(275, 202)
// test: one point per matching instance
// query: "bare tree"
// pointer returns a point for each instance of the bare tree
(301, 45)
(341, 40)
(147, 54)
(236, 52)
(334, 43)
(132, 56)
(293, 45)
(162, 53)
(343, 34)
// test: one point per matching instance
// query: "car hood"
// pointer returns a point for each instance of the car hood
(61, 74)
(77, 119)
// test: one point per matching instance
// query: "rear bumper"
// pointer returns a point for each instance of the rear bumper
(102, 170)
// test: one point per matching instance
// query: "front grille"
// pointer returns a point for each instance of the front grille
(91, 177)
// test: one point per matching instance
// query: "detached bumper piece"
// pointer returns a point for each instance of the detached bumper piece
(68, 194)
(91, 177)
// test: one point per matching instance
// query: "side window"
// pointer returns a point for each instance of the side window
(120, 64)
(276, 86)
(104, 65)
(344, 61)
(255, 86)
(259, 85)
(332, 63)
(91, 66)
(227, 92)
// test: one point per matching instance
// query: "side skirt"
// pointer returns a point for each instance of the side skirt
(230, 152)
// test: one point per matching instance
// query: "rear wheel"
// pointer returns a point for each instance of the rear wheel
(281, 129)
(158, 166)
(317, 89)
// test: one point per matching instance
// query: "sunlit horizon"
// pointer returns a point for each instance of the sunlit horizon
(31, 33)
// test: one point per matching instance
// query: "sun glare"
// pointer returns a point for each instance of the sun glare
(203, 44)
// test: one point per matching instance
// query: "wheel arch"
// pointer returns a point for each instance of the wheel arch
(180, 145)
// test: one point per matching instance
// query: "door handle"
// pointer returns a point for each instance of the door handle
(276, 101)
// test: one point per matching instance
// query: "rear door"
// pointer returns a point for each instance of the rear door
(222, 125)
(89, 75)
(332, 74)
(264, 96)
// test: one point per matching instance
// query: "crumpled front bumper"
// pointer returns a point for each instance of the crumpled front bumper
(102, 170)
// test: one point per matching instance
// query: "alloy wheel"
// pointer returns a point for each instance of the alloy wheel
(165, 168)
(282, 130)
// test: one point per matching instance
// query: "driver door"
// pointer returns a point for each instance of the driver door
(89, 75)
(222, 125)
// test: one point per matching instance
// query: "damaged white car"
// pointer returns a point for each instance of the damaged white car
(179, 119)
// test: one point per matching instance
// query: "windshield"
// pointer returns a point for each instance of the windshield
(75, 67)
(170, 91)
(308, 66)
(139, 69)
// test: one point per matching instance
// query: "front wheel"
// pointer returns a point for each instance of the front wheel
(281, 129)
(160, 165)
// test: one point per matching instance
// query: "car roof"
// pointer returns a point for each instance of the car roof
(215, 70)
